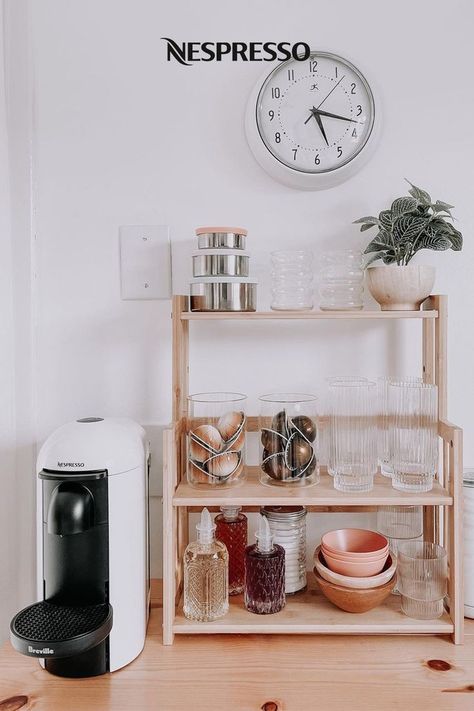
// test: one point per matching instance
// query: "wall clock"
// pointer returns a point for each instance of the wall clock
(312, 124)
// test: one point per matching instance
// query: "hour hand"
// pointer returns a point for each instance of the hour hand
(336, 116)
(319, 122)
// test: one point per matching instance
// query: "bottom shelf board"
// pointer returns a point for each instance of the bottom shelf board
(309, 612)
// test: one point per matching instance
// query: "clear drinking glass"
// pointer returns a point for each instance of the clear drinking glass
(341, 280)
(216, 439)
(288, 439)
(413, 434)
(352, 433)
(383, 437)
(402, 522)
(422, 578)
(292, 280)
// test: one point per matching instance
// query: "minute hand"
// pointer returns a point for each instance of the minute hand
(336, 116)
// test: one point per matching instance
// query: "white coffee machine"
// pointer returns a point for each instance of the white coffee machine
(92, 550)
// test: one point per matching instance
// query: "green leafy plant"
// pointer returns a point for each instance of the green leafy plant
(413, 222)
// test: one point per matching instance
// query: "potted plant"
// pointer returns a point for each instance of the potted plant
(412, 223)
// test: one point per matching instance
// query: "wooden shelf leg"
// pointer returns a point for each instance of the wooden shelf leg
(455, 538)
(430, 513)
(170, 529)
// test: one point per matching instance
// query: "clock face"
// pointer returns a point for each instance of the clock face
(315, 116)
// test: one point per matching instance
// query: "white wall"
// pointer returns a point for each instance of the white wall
(122, 137)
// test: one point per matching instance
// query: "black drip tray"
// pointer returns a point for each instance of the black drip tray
(46, 630)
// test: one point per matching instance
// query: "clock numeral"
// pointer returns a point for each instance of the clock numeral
(335, 70)
(295, 151)
(359, 109)
(353, 87)
(339, 151)
(277, 138)
(276, 93)
(271, 113)
(291, 74)
(313, 63)
(317, 160)
(354, 134)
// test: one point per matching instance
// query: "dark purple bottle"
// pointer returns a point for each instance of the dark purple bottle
(264, 573)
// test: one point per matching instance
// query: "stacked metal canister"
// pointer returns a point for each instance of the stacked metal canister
(221, 279)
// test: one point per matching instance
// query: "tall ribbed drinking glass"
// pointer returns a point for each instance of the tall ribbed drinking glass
(352, 433)
(413, 434)
(383, 438)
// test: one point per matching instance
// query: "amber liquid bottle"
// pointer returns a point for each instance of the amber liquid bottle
(264, 573)
(231, 529)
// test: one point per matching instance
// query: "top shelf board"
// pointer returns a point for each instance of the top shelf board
(303, 315)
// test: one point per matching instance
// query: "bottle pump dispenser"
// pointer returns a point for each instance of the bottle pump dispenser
(92, 550)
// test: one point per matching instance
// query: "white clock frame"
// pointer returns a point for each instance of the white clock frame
(293, 177)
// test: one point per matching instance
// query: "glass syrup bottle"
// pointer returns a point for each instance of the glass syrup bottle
(264, 573)
(206, 573)
(231, 529)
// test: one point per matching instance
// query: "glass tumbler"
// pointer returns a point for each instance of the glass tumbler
(422, 578)
(216, 439)
(288, 439)
(413, 434)
(383, 436)
(341, 280)
(292, 280)
(352, 433)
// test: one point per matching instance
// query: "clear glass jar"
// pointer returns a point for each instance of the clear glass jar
(216, 439)
(352, 433)
(413, 434)
(341, 280)
(288, 439)
(292, 280)
(468, 491)
(288, 527)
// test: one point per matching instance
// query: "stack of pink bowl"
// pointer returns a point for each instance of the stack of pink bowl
(355, 552)
(354, 568)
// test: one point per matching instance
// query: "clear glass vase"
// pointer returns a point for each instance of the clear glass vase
(341, 280)
(352, 433)
(216, 439)
(413, 434)
(288, 439)
(292, 280)
(383, 435)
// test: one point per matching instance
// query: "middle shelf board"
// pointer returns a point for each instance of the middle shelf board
(252, 493)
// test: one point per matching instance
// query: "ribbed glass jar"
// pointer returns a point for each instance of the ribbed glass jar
(288, 439)
(468, 491)
(288, 527)
(413, 434)
(352, 433)
(216, 439)
(341, 280)
(292, 280)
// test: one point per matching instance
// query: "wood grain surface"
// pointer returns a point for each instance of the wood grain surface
(258, 673)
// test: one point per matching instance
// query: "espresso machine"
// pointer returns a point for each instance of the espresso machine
(93, 569)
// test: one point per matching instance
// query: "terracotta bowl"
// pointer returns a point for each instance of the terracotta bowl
(352, 600)
(355, 557)
(362, 569)
(354, 540)
(373, 581)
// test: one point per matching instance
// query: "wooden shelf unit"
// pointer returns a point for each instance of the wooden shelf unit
(310, 612)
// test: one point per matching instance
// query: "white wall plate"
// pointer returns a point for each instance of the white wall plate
(145, 262)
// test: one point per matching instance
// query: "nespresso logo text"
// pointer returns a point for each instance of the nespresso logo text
(41, 652)
(71, 464)
(189, 52)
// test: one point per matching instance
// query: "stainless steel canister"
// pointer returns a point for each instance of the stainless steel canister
(218, 264)
(221, 237)
(223, 296)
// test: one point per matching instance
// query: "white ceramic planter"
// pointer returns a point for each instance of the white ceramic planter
(400, 288)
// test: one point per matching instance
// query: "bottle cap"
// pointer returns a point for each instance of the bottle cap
(231, 512)
(264, 536)
(205, 527)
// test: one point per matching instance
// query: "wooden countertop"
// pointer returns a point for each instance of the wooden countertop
(255, 673)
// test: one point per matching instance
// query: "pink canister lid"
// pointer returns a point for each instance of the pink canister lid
(229, 230)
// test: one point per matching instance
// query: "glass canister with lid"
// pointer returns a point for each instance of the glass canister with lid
(288, 526)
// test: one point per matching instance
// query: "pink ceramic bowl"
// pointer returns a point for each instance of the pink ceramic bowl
(361, 569)
(355, 557)
(355, 541)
